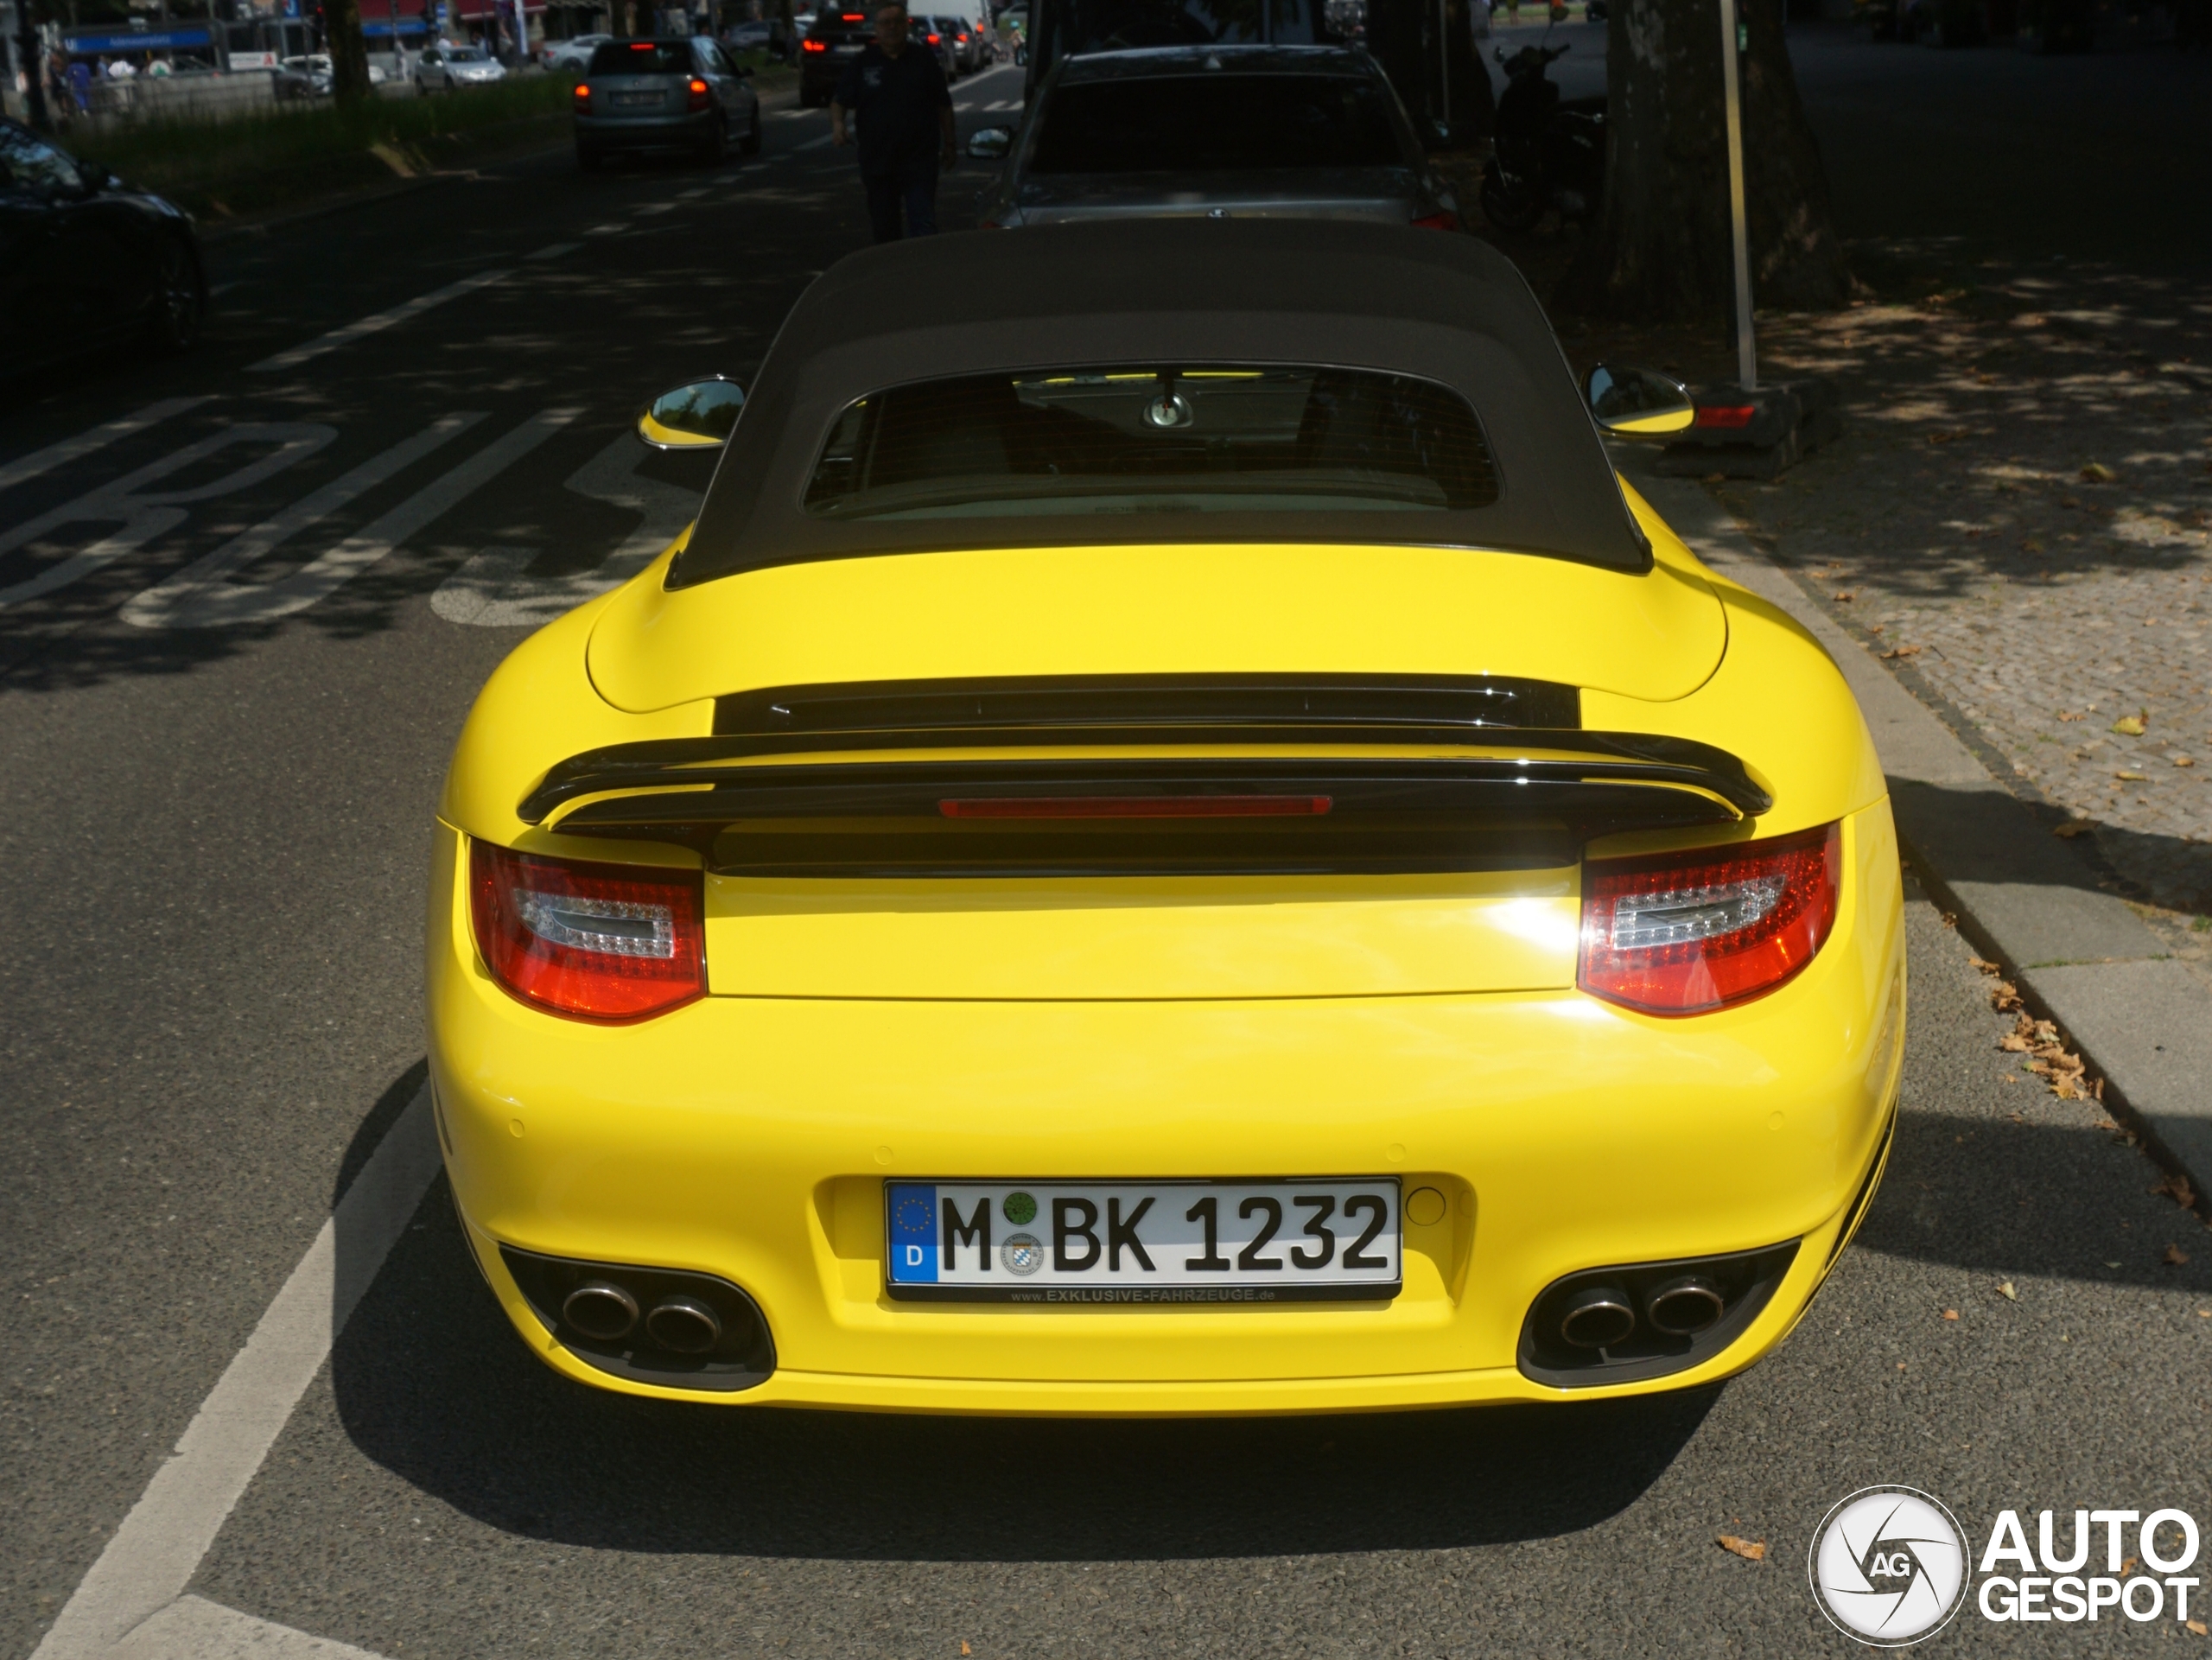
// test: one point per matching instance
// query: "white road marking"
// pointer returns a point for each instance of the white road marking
(220, 289)
(694, 195)
(217, 604)
(144, 514)
(194, 597)
(137, 1583)
(490, 590)
(606, 230)
(554, 252)
(29, 466)
(750, 166)
(816, 143)
(193, 1628)
(377, 324)
(654, 207)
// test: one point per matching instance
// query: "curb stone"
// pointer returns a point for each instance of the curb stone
(2079, 957)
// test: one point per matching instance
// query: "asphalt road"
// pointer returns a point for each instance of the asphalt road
(211, 869)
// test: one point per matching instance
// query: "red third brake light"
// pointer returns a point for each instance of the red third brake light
(1137, 806)
(1682, 933)
(595, 942)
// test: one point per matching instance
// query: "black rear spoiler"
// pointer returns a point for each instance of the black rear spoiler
(1501, 794)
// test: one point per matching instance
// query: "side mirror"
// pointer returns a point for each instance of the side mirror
(990, 143)
(700, 415)
(1639, 403)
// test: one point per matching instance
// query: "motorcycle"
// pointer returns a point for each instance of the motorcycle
(1547, 151)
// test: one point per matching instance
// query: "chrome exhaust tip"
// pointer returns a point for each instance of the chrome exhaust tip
(1685, 1307)
(1597, 1317)
(684, 1325)
(600, 1310)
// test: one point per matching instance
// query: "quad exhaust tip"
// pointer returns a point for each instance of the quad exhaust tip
(1685, 1307)
(601, 1310)
(684, 1325)
(1597, 1317)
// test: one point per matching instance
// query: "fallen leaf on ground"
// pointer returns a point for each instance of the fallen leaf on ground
(2032, 546)
(2176, 1189)
(964, 1649)
(2134, 777)
(1903, 650)
(1950, 1314)
(2112, 1264)
(2128, 1565)
(2098, 473)
(2131, 725)
(2004, 998)
(1875, 627)
(2006, 1292)
(1750, 1550)
(2198, 1627)
(1983, 963)
(2175, 1257)
(2072, 828)
(1950, 919)
(1845, 595)
(2183, 760)
(2067, 715)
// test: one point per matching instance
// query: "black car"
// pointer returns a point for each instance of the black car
(834, 40)
(85, 261)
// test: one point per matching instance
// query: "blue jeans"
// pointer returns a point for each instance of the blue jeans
(914, 190)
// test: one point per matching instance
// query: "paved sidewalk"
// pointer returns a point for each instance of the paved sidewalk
(2083, 958)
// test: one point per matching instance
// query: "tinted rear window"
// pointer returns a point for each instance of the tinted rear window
(841, 30)
(1187, 438)
(642, 58)
(1214, 122)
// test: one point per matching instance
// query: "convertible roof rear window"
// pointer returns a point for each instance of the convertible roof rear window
(1214, 123)
(1175, 438)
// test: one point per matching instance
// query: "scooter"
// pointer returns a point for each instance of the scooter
(1546, 151)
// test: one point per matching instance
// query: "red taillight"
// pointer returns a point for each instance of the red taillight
(1725, 414)
(1137, 806)
(1684, 933)
(699, 99)
(1437, 222)
(641, 46)
(592, 941)
(813, 46)
(935, 39)
(583, 92)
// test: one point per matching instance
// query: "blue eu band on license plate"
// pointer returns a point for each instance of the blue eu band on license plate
(1152, 1242)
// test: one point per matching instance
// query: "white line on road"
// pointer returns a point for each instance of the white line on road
(193, 1628)
(694, 195)
(750, 166)
(144, 1571)
(816, 143)
(654, 207)
(195, 595)
(554, 251)
(216, 605)
(381, 320)
(606, 230)
(69, 450)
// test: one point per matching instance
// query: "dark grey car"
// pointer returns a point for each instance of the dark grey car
(675, 94)
(1220, 132)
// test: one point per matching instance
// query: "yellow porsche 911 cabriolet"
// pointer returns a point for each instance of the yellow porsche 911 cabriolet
(1187, 847)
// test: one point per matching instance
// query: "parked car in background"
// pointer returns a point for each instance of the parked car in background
(966, 41)
(679, 93)
(85, 261)
(748, 37)
(443, 69)
(310, 77)
(1218, 132)
(833, 40)
(926, 32)
(574, 55)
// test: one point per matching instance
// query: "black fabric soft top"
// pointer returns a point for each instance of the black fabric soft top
(1428, 303)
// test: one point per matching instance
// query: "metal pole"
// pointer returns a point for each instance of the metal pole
(1444, 62)
(1747, 366)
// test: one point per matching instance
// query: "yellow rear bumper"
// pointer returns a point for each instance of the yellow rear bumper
(749, 1136)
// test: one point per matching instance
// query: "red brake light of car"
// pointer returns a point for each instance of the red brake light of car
(813, 46)
(1137, 806)
(1725, 414)
(583, 92)
(1437, 222)
(699, 99)
(641, 46)
(1683, 933)
(595, 942)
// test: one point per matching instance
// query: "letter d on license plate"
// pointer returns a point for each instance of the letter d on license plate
(1166, 1241)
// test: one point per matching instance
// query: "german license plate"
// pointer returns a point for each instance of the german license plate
(635, 100)
(1150, 1241)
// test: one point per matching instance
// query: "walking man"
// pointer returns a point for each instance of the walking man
(905, 110)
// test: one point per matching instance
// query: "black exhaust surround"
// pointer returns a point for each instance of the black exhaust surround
(1742, 1281)
(736, 1353)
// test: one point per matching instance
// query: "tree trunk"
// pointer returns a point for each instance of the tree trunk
(349, 55)
(1659, 249)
